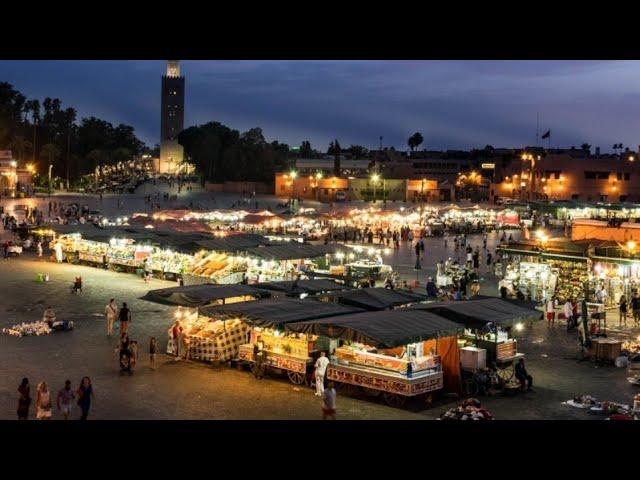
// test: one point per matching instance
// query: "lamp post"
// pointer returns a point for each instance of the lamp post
(293, 175)
(50, 168)
(374, 179)
(318, 178)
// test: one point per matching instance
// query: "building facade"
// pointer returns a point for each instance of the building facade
(330, 189)
(171, 120)
(570, 176)
(14, 181)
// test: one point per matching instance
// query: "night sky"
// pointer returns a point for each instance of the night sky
(454, 104)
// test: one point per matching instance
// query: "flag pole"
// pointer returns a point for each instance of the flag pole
(537, 127)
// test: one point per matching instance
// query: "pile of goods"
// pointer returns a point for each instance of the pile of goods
(470, 409)
(28, 329)
(631, 347)
(211, 265)
(610, 409)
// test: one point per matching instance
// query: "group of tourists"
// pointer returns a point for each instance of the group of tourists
(83, 397)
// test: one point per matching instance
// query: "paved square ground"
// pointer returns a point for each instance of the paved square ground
(193, 390)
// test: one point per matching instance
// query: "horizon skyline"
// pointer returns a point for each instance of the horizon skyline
(465, 104)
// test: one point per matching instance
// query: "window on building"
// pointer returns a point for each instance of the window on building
(575, 196)
(619, 176)
(627, 176)
(623, 198)
(603, 175)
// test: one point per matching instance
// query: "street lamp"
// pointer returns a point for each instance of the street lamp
(374, 178)
(50, 168)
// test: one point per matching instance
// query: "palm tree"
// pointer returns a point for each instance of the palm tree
(51, 153)
(18, 145)
(69, 119)
(34, 108)
(415, 141)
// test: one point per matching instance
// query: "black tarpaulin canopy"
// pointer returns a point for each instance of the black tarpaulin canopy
(382, 329)
(377, 298)
(233, 243)
(303, 286)
(276, 312)
(199, 295)
(477, 313)
(291, 251)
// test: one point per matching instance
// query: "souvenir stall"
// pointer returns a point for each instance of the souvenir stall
(286, 352)
(489, 328)
(616, 270)
(538, 270)
(398, 354)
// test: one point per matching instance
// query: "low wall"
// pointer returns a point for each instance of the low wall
(240, 187)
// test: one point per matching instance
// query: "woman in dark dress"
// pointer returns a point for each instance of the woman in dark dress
(85, 395)
(24, 399)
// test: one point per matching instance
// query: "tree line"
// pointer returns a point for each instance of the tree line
(44, 133)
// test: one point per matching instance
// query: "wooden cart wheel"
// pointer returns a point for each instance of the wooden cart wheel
(370, 392)
(505, 372)
(469, 387)
(296, 377)
(394, 400)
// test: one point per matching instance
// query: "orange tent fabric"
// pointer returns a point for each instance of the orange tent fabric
(447, 348)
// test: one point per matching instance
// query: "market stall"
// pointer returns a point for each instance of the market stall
(490, 324)
(541, 269)
(398, 354)
(290, 352)
(302, 288)
(375, 298)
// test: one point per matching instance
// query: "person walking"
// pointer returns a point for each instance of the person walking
(85, 395)
(552, 303)
(418, 266)
(329, 402)
(321, 368)
(635, 305)
(43, 402)
(124, 316)
(65, 399)
(623, 311)
(175, 332)
(111, 314)
(153, 348)
(567, 309)
(24, 399)
(39, 248)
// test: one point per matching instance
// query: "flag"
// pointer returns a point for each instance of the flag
(547, 134)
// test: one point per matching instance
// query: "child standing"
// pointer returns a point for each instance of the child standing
(152, 352)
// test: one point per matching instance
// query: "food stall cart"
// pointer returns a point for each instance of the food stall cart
(209, 340)
(490, 324)
(397, 354)
(290, 352)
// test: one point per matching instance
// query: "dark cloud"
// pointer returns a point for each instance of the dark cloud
(455, 104)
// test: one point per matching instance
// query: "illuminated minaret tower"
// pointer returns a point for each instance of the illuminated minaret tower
(172, 118)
